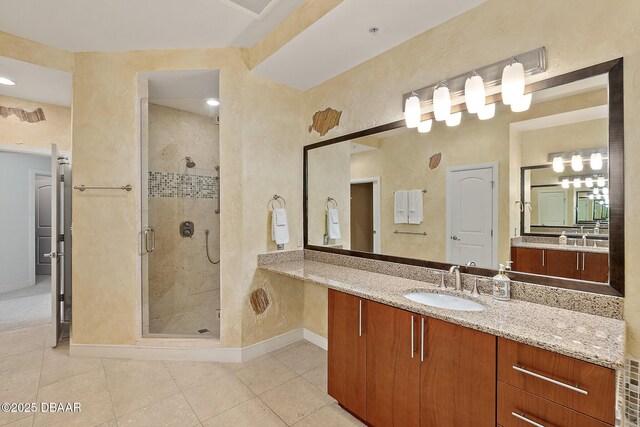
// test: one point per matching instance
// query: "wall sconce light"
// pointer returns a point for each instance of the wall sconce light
(487, 112)
(474, 93)
(576, 163)
(425, 126)
(596, 161)
(513, 82)
(441, 102)
(558, 164)
(454, 119)
(412, 111)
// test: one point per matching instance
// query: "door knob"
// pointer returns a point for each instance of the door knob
(454, 238)
(51, 255)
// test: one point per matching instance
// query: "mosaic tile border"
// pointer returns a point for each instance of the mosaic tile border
(631, 404)
(168, 184)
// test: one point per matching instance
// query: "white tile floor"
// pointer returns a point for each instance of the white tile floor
(285, 387)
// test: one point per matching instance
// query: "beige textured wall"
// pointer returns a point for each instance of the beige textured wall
(56, 129)
(259, 154)
(576, 33)
(35, 53)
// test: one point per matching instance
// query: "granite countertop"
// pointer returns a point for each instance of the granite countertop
(587, 337)
(559, 247)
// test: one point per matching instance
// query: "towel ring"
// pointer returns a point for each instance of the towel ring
(280, 199)
(329, 200)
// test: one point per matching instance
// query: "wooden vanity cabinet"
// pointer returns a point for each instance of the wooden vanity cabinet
(595, 267)
(528, 260)
(569, 264)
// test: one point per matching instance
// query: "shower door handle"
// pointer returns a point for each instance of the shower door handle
(150, 239)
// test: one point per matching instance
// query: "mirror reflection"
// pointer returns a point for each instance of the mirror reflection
(526, 189)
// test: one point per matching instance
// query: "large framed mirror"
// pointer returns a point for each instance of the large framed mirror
(540, 190)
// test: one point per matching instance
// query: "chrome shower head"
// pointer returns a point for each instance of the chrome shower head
(190, 162)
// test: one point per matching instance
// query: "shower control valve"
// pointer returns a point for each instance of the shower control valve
(186, 229)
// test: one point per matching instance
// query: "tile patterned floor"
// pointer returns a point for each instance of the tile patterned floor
(284, 388)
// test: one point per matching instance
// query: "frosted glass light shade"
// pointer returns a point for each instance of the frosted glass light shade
(513, 83)
(605, 191)
(601, 181)
(596, 161)
(425, 126)
(596, 191)
(588, 182)
(591, 197)
(474, 94)
(441, 103)
(558, 164)
(565, 183)
(412, 111)
(487, 112)
(521, 104)
(454, 119)
(576, 162)
(577, 183)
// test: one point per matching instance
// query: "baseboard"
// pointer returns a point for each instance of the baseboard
(16, 286)
(316, 339)
(184, 352)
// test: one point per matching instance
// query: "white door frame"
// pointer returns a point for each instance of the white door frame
(494, 221)
(376, 209)
(32, 221)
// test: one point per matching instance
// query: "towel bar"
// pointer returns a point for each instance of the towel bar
(424, 233)
(83, 187)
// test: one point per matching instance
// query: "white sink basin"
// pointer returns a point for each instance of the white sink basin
(449, 302)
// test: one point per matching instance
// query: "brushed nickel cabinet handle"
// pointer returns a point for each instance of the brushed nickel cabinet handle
(543, 257)
(360, 320)
(583, 254)
(422, 341)
(412, 346)
(526, 420)
(551, 380)
(577, 261)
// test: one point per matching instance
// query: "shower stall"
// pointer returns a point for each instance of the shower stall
(180, 206)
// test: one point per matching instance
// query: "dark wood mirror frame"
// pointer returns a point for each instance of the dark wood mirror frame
(615, 287)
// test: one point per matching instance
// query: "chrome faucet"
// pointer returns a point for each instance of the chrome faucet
(455, 269)
(584, 240)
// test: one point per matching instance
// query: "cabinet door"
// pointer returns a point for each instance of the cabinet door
(457, 377)
(529, 260)
(595, 267)
(393, 366)
(346, 380)
(563, 264)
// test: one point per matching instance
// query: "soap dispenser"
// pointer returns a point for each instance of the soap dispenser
(563, 238)
(501, 285)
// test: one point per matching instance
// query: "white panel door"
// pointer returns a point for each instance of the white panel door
(470, 216)
(552, 205)
(43, 224)
(54, 254)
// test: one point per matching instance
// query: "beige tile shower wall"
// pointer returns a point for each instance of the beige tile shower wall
(261, 134)
(576, 33)
(181, 278)
(56, 129)
(329, 176)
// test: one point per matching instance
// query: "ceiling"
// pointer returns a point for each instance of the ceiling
(112, 25)
(35, 83)
(341, 39)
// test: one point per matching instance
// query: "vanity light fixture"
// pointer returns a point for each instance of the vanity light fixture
(576, 163)
(412, 111)
(441, 102)
(596, 191)
(558, 164)
(565, 183)
(213, 102)
(521, 104)
(588, 182)
(474, 93)
(591, 197)
(605, 191)
(598, 196)
(425, 126)
(513, 82)
(454, 119)
(596, 161)
(600, 181)
(7, 82)
(577, 183)
(487, 112)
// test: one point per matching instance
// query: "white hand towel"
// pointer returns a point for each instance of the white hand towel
(333, 224)
(401, 207)
(416, 215)
(279, 226)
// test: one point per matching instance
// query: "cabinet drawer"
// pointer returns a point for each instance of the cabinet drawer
(578, 385)
(517, 408)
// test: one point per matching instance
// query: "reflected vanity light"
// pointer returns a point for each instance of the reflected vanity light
(7, 82)
(412, 111)
(474, 93)
(565, 183)
(576, 162)
(596, 161)
(454, 119)
(588, 182)
(591, 197)
(513, 82)
(558, 164)
(213, 102)
(577, 183)
(601, 181)
(425, 126)
(595, 191)
(441, 102)
(521, 104)
(487, 112)
(605, 191)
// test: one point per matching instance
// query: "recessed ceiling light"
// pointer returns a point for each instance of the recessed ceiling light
(213, 102)
(6, 81)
